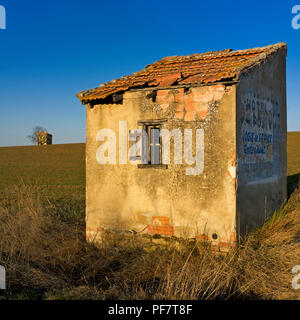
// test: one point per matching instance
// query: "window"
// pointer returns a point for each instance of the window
(152, 144)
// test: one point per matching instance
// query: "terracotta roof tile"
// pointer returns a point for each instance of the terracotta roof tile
(202, 68)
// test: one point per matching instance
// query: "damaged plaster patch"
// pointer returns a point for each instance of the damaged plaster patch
(232, 172)
(194, 104)
(232, 167)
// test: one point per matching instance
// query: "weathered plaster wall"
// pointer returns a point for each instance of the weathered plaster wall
(261, 141)
(167, 201)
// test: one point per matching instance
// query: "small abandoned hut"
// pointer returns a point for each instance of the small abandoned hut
(191, 146)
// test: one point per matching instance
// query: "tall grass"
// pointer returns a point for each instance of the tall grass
(43, 248)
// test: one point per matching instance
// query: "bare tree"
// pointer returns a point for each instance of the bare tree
(34, 136)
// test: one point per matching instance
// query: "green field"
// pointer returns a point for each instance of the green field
(43, 165)
(55, 172)
(64, 165)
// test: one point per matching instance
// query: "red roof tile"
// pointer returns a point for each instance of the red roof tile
(202, 68)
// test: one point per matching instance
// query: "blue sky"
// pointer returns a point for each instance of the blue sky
(53, 49)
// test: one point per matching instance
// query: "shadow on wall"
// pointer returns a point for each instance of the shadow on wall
(292, 183)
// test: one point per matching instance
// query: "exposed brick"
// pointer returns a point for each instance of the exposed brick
(201, 114)
(223, 244)
(203, 237)
(189, 105)
(179, 96)
(201, 106)
(201, 110)
(204, 95)
(232, 241)
(161, 230)
(232, 237)
(151, 229)
(161, 225)
(219, 87)
(160, 220)
(179, 115)
(179, 107)
(189, 116)
(163, 96)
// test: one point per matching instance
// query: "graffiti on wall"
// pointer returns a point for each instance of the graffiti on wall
(260, 137)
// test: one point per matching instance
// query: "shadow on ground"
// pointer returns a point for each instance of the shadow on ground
(292, 183)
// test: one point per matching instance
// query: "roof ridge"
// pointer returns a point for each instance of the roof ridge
(275, 46)
(219, 52)
(266, 51)
(200, 55)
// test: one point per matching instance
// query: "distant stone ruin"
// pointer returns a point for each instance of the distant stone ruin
(44, 138)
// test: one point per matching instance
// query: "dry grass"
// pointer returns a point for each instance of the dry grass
(46, 257)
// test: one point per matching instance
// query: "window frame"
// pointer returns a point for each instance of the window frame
(147, 126)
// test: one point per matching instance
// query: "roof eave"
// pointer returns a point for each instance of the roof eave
(87, 97)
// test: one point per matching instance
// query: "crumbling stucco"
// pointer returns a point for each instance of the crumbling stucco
(166, 202)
